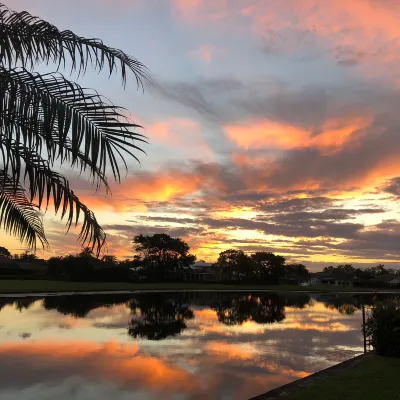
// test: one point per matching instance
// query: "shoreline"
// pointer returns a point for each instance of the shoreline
(40, 288)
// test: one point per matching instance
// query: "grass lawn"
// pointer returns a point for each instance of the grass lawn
(373, 379)
(40, 286)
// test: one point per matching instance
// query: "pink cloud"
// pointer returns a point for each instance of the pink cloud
(205, 53)
(351, 32)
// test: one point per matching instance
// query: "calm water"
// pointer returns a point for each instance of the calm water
(171, 346)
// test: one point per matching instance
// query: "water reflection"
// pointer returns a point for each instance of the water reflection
(171, 346)
(155, 318)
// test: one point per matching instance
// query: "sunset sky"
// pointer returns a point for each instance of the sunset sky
(272, 125)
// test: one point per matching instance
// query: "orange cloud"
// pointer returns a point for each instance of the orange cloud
(333, 136)
(105, 362)
(231, 350)
(127, 196)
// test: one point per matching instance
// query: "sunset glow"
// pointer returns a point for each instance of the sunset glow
(272, 126)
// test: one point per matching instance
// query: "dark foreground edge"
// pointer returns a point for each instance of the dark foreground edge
(291, 388)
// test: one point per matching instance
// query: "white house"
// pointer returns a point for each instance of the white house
(325, 278)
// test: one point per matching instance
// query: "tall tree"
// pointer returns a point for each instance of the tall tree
(4, 252)
(380, 269)
(342, 269)
(298, 270)
(26, 256)
(162, 254)
(270, 266)
(235, 264)
(47, 120)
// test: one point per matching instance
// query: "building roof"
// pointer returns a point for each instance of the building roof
(200, 266)
(386, 278)
(335, 276)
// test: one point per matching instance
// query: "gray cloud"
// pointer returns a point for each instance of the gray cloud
(136, 229)
(393, 187)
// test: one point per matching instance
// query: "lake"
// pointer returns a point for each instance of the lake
(173, 346)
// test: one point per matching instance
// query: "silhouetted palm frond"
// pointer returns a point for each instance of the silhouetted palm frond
(28, 40)
(18, 216)
(47, 120)
(34, 107)
(45, 185)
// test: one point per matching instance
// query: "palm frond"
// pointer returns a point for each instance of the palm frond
(45, 185)
(18, 216)
(27, 40)
(57, 151)
(94, 128)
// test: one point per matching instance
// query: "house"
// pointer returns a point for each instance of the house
(200, 271)
(391, 280)
(326, 278)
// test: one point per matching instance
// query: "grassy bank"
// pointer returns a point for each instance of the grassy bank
(375, 378)
(41, 286)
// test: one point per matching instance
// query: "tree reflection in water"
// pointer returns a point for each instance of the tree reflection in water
(261, 309)
(345, 304)
(156, 317)
(79, 306)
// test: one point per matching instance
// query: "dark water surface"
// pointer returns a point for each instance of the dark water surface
(171, 346)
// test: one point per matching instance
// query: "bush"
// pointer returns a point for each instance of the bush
(383, 326)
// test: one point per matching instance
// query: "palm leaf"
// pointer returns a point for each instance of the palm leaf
(45, 185)
(97, 129)
(27, 40)
(18, 216)
(56, 151)
(49, 116)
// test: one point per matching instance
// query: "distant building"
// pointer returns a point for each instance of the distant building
(326, 278)
(200, 271)
(391, 280)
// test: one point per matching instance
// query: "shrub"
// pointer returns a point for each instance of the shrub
(383, 326)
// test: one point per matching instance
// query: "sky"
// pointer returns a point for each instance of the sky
(272, 126)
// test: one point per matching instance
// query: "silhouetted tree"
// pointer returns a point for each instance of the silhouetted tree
(162, 254)
(110, 260)
(4, 252)
(27, 256)
(235, 264)
(380, 269)
(298, 270)
(342, 269)
(270, 266)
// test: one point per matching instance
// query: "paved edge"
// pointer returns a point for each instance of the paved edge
(134, 291)
(298, 385)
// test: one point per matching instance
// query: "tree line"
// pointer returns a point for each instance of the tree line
(160, 258)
